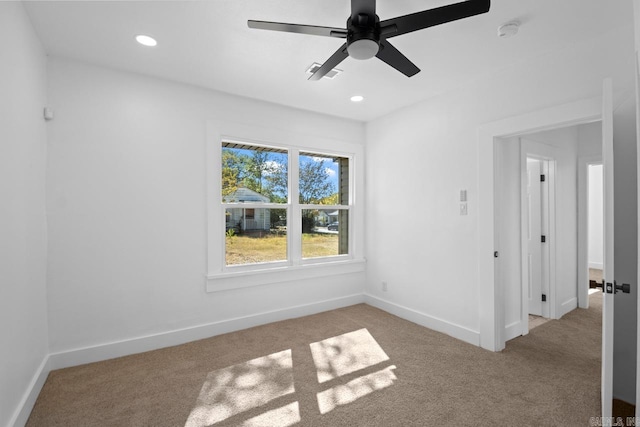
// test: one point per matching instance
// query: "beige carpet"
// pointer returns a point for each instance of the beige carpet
(535, 321)
(356, 366)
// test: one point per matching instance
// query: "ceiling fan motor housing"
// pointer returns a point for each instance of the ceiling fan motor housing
(363, 36)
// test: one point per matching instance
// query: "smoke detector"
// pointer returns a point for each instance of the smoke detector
(509, 29)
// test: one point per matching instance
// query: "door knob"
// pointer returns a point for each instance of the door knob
(625, 288)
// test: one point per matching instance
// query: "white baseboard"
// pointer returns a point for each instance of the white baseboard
(568, 306)
(513, 330)
(596, 265)
(451, 329)
(111, 350)
(22, 412)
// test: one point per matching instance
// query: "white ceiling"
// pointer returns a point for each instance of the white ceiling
(208, 44)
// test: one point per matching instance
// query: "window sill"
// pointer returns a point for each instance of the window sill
(244, 279)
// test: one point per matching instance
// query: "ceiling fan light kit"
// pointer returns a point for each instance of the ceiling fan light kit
(366, 36)
(363, 49)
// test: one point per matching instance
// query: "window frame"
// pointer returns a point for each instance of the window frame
(223, 277)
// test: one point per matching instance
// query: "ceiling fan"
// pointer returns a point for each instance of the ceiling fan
(367, 36)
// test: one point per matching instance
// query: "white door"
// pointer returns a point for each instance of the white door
(547, 213)
(534, 231)
(608, 273)
(636, 8)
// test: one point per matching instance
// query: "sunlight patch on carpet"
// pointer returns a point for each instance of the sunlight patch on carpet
(346, 353)
(283, 417)
(239, 388)
(347, 393)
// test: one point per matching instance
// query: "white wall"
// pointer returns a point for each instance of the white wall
(590, 139)
(596, 220)
(127, 213)
(431, 265)
(23, 322)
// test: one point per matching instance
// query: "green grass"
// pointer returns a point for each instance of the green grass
(319, 245)
(271, 247)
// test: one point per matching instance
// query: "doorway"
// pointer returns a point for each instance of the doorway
(537, 224)
(492, 316)
(492, 335)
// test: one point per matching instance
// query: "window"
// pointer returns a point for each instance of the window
(273, 216)
(323, 185)
(288, 206)
(254, 185)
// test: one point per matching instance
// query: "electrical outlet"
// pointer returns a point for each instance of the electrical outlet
(384, 286)
(463, 208)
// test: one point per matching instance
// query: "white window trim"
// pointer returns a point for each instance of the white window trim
(220, 277)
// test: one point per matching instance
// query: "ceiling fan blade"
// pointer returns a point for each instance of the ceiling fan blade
(297, 28)
(432, 17)
(392, 56)
(330, 63)
(366, 7)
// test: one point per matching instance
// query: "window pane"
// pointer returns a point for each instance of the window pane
(253, 174)
(262, 238)
(325, 232)
(324, 180)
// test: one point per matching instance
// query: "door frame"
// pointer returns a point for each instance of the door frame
(583, 226)
(491, 307)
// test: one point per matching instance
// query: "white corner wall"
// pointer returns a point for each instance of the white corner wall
(127, 215)
(419, 158)
(23, 311)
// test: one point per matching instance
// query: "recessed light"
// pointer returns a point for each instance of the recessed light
(357, 98)
(146, 40)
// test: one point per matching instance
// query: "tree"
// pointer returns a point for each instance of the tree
(333, 199)
(267, 173)
(260, 171)
(314, 187)
(277, 181)
(314, 182)
(257, 167)
(231, 171)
